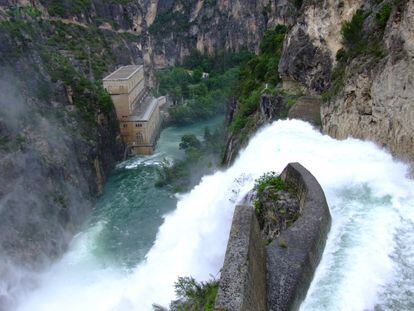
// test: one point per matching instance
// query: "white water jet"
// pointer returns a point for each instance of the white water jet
(370, 200)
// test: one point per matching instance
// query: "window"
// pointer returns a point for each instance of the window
(138, 124)
(140, 138)
(125, 125)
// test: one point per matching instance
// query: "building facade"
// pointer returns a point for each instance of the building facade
(138, 114)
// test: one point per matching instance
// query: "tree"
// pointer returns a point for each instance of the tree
(190, 141)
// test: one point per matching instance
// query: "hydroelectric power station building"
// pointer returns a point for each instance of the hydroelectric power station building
(137, 112)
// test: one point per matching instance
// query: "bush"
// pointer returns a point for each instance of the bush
(352, 32)
(256, 73)
(200, 158)
(193, 295)
(269, 179)
(383, 15)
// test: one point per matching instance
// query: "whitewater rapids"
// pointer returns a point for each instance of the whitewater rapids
(367, 260)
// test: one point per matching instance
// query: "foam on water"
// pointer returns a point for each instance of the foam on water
(370, 198)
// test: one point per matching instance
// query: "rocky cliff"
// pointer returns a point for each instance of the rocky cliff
(365, 72)
(210, 26)
(58, 131)
(358, 55)
(375, 101)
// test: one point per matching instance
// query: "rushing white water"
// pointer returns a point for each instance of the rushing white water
(371, 202)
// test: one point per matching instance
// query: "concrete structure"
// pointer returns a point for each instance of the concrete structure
(290, 268)
(290, 260)
(243, 277)
(138, 114)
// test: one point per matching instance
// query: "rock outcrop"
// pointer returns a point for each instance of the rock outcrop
(271, 107)
(311, 44)
(376, 101)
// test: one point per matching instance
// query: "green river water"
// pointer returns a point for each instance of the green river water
(131, 209)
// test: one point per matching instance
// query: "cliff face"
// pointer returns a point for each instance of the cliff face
(313, 41)
(210, 26)
(376, 101)
(58, 131)
(371, 91)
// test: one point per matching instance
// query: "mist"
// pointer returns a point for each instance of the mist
(41, 206)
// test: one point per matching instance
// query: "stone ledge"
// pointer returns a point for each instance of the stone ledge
(292, 258)
(243, 277)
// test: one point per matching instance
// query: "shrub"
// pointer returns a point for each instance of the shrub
(194, 295)
(352, 32)
(270, 179)
(383, 15)
(257, 72)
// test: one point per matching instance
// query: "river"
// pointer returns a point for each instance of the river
(140, 239)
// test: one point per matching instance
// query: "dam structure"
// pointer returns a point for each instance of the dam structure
(138, 113)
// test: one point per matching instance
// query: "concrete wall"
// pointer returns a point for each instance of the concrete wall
(276, 277)
(243, 277)
(122, 104)
(294, 256)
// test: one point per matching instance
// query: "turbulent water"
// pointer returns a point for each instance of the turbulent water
(368, 260)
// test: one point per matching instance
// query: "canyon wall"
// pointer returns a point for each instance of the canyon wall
(377, 98)
(59, 136)
(370, 93)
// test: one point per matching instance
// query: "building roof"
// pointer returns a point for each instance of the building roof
(143, 111)
(123, 73)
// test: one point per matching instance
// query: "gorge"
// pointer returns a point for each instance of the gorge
(372, 215)
(60, 143)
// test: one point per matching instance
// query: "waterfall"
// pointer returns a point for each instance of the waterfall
(372, 207)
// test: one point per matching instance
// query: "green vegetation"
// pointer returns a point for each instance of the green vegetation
(276, 206)
(172, 22)
(352, 32)
(66, 8)
(201, 157)
(77, 57)
(197, 98)
(259, 75)
(169, 22)
(193, 295)
(383, 15)
(270, 179)
(282, 243)
(359, 39)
